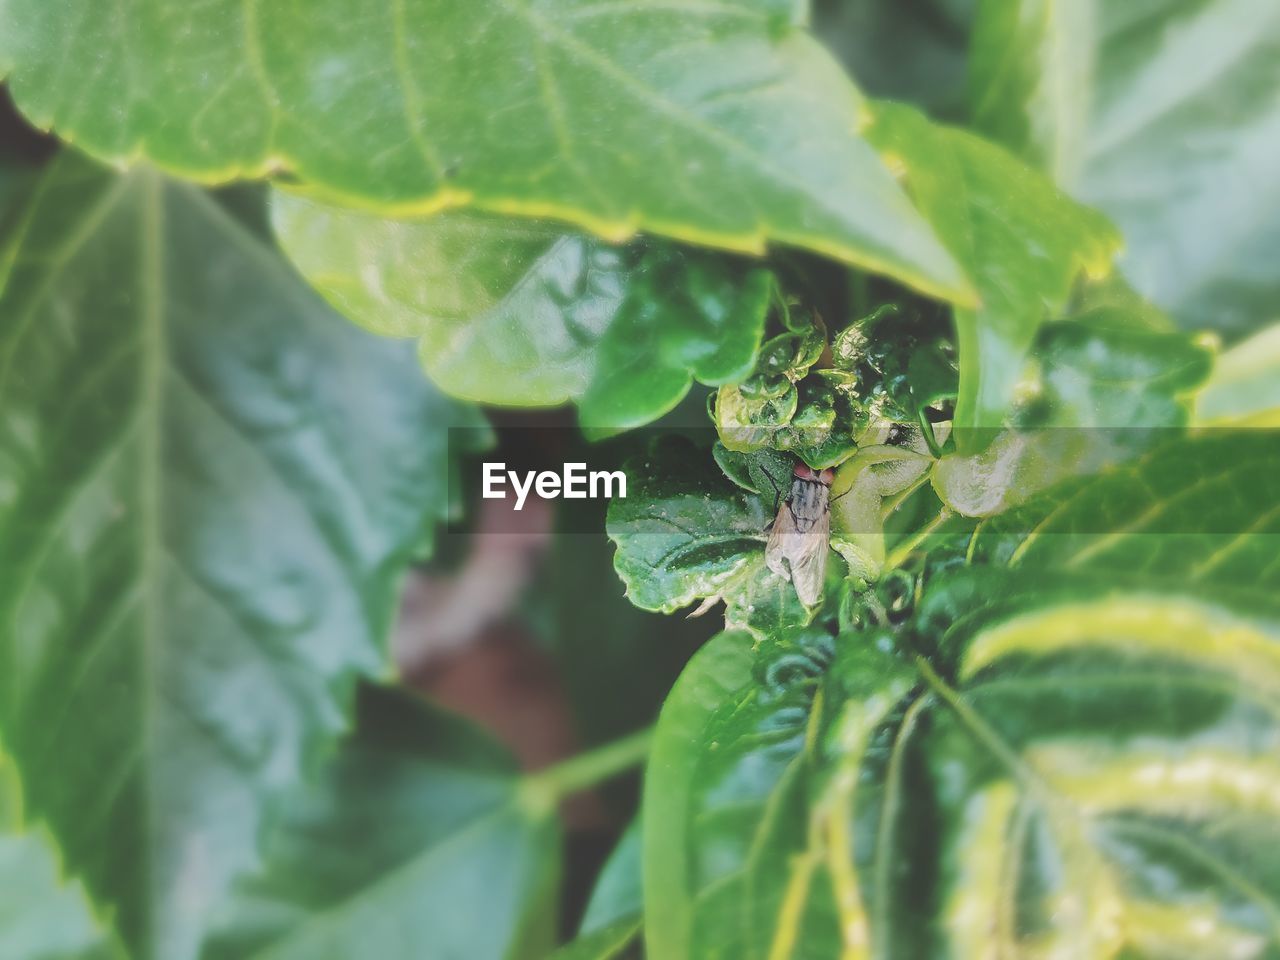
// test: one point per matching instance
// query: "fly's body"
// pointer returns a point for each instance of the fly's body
(800, 534)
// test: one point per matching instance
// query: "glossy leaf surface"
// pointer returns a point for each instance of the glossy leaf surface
(1101, 390)
(209, 484)
(690, 531)
(1022, 241)
(687, 533)
(615, 117)
(1193, 511)
(1074, 757)
(523, 313)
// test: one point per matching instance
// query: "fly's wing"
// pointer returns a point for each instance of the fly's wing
(799, 557)
(809, 561)
(781, 536)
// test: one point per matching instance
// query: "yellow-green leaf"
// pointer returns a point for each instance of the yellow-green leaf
(717, 123)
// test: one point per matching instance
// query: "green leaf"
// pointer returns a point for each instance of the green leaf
(1103, 750)
(1179, 148)
(612, 924)
(209, 485)
(614, 942)
(618, 893)
(417, 842)
(718, 124)
(1023, 243)
(616, 662)
(777, 407)
(524, 313)
(42, 915)
(1104, 389)
(1080, 763)
(685, 533)
(1198, 511)
(1096, 776)
(719, 669)
(912, 50)
(685, 317)
(733, 761)
(825, 404)
(1244, 390)
(1031, 72)
(1102, 370)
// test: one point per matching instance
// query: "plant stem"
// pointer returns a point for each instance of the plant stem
(904, 550)
(892, 505)
(590, 768)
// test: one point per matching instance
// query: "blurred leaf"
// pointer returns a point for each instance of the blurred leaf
(1244, 390)
(617, 941)
(42, 915)
(618, 893)
(417, 843)
(523, 313)
(22, 152)
(1101, 370)
(912, 50)
(616, 662)
(209, 485)
(612, 925)
(1023, 242)
(1198, 511)
(1180, 144)
(1031, 71)
(717, 124)
(1104, 390)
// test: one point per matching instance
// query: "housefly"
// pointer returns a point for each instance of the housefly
(799, 536)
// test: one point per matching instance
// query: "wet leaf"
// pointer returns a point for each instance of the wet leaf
(523, 313)
(1022, 241)
(209, 486)
(720, 124)
(1104, 391)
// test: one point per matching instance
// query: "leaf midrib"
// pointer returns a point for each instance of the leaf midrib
(1052, 802)
(154, 346)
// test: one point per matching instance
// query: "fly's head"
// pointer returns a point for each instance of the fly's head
(805, 472)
